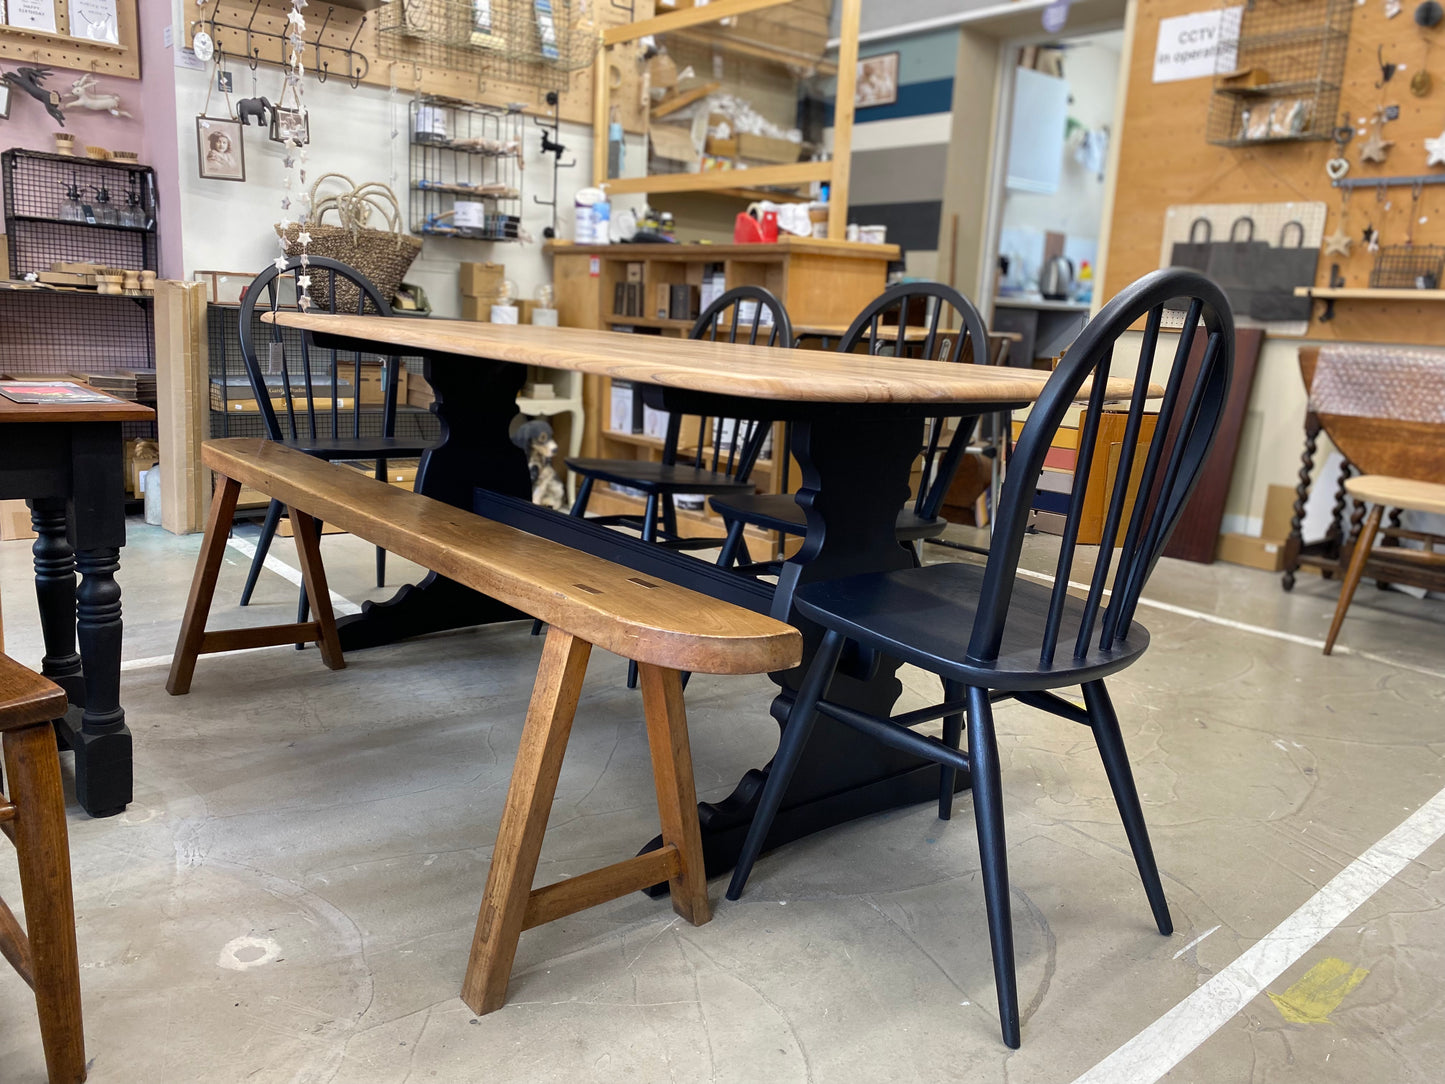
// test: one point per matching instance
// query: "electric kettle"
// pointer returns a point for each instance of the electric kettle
(1056, 280)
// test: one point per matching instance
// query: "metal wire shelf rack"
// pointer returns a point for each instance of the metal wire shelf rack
(466, 176)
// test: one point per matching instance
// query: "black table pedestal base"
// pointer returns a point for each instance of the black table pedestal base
(434, 605)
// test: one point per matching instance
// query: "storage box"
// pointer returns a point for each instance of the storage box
(1242, 549)
(14, 521)
(373, 388)
(619, 420)
(1278, 513)
(418, 392)
(477, 308)
(760, 148)
(139, 455)
(481, 279)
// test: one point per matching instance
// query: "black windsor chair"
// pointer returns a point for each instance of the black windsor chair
(311, 390)
(917, 306)
(991, 635)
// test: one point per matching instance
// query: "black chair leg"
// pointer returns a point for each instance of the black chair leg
(263, 546)
(1121, 779)
(801, 721)
(993, 856)
(579, 509)
(380, 553)
(729, 555)
(649, 534)
(952, 734)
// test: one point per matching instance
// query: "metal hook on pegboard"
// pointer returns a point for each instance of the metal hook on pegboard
(357, 63)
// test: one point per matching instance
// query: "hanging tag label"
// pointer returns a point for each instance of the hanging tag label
(89, 213)
(275, 358)
(223, 82)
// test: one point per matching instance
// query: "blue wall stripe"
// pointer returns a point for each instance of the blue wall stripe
(914, 100)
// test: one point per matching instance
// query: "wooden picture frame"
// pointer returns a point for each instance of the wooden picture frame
(290, 123)
(4, 101)
(877, 81)
(220, 152)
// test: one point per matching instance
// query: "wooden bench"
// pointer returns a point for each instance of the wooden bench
(584, 600)
(33, 816)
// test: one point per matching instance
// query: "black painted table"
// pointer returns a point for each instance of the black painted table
(65, 460)
(857, 427)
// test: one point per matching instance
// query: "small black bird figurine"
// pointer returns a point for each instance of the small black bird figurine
(31, 81)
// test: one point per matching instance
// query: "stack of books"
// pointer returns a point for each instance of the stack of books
(120, 384)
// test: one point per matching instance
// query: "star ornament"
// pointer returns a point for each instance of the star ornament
(1435, 151)
(1339, 242)
(1376, 147)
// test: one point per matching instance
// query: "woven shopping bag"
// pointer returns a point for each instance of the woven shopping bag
(382, 255)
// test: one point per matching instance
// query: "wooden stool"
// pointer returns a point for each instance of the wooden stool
(1383, 492)
(33, 816)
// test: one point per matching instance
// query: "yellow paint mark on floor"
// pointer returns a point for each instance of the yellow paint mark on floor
(1319, 992)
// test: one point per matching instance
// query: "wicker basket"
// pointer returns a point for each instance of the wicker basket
(382, 255)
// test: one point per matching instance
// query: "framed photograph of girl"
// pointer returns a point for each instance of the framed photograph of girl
(220, 154)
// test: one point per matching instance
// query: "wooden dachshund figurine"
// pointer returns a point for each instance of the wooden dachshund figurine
(31, 81)
(247, 108)
(87, 97)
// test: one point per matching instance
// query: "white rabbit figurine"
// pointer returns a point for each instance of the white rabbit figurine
(87, 98)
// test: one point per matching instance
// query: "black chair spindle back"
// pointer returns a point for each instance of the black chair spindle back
(1172, 463)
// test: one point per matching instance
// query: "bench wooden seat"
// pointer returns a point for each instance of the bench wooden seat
(33, 816)
(584, 600)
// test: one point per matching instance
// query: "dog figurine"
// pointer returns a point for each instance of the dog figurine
(247, 108)
(536, 439)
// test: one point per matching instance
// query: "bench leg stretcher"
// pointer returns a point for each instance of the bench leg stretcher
(195, 640)
(510, 904)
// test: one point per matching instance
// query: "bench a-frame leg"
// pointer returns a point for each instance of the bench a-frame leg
(194, 640)
(524, 819)
(510, 904)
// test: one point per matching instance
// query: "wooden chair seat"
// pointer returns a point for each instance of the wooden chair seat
(33, 816)
(585, 601)
(1385, 492)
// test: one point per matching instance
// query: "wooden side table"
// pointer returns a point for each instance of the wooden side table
(65, 461)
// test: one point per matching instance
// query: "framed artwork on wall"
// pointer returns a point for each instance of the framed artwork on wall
(220, 154)
(877, 81)
(4, 101)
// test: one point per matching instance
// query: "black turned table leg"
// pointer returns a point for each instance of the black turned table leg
(476, 401)
(101, 740)
(854, 481)
(55, 594)
(103, 769)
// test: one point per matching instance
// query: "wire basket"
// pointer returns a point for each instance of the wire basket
(1408, 267)
(533, 43)
(1285, 85)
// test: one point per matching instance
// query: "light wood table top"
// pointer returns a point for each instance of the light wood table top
(113, 410)
(716, 368)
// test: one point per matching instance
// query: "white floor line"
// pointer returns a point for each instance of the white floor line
(1196, 941)
(1170, 1039)
(1244, 626)
(344, 607)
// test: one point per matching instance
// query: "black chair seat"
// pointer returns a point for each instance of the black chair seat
(925, 616)
(780, 512)
(331, 448)
(658, 477)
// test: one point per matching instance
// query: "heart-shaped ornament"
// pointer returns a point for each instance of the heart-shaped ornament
(1337, 168)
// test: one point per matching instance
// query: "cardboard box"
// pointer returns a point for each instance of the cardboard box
(139, 455)
(14, 521)
(758, 148)
(372, 391)
(478, 308)
(481, 279)
(1242, 549)
(418, 392)
(1278, 512)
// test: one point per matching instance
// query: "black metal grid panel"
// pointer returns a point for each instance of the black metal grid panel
(45, 331)
(457, 146)
(35, 188)
(1408, 267)
(1300, 46)
(229, 381)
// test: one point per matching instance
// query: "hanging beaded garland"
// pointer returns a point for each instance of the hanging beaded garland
(297, 197)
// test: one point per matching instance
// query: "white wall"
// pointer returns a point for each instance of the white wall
(229, 226)
(1091, 68)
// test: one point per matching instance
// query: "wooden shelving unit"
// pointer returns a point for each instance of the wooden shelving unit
(821, 282)
(1365, 293)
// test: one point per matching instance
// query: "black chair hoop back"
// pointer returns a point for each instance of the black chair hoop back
(736, 442)
(330, 280)
(940, 343)
(1188, 420)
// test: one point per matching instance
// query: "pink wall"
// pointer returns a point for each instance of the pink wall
(150, 131)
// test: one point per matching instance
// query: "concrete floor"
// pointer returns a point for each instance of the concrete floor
(292, 895)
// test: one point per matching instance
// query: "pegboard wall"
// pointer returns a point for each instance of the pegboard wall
(60, 50)
(412, 66)
(1164, 160)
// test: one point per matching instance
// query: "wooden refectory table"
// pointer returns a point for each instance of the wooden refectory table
(65, 459)
(856, 432)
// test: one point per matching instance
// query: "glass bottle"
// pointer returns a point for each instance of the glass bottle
(131, 214)
(104, 209)
(71, 209)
